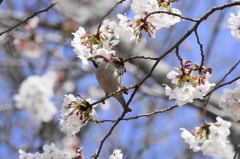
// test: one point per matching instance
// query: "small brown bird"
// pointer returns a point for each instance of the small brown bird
(109, 79)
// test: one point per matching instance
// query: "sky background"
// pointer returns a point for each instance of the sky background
(157, 136)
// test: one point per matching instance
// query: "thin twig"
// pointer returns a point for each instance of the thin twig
(114, 93)
(109, 133)
(201, 49)
(236, 153)
(108, 13)
(170, 13)
(204, 109)
(229, 72)
(219, 86)
(141, 57)
(179, 57)
(138, 116)
(24, 21)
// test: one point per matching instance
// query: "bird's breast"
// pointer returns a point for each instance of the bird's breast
(108, 78)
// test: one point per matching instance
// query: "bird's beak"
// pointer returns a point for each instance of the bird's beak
(91, 59)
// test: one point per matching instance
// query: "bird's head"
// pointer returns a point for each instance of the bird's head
(98, 59)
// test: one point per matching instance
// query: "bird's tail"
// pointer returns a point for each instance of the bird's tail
(121, 99)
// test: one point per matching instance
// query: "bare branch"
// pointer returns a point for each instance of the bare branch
(109, 133)
(229, 72)
(139, 116)
(33, 15)
(219, 86)
(141, 57)
(179, 57)
(236, 153)
(104, 98)
(201, 49)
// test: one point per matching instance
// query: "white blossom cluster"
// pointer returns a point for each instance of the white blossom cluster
(234, 22)
(35, 95)
(116, 154)
(50, 152)
(101, 43)
(89, 45)
(230, 102)
(187, 85)
(132, 28)
(210, 138)
(75, 114)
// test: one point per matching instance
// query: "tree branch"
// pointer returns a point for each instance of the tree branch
(33, 15)
(141, 57)
(138, 116)
(229, 72)
(108, 13)
(189, 32)
(201, 49)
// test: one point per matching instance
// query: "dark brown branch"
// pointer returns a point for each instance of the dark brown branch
(109, 133)
(229, 72)
(28, 18)
(201, 49)
(104, 98)
(236, 153)
(138, 116)
(179, 57)
(141, 57)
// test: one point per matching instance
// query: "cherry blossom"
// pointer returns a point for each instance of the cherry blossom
(89, 45)
(50, 151)
(132, 28)
(116, 154)
(230, 102)
(35, 95)
(75, 114)
(234, 22)
(24, 155)
(209, 138)
(188, 86)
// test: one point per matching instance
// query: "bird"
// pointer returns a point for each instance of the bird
(109, 79)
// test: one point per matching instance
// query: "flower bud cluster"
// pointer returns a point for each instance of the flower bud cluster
(101, 43)
(148, 18)
(209, 138)
(50, 151)
(75, 114)
(189, 86)
(230, 102)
